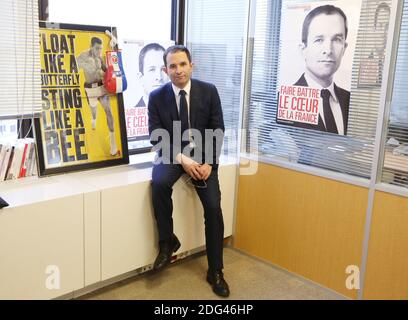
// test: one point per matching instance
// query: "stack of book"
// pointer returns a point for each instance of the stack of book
(18, 160)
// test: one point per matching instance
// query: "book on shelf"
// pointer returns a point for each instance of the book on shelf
(18, 159)
(4, 159)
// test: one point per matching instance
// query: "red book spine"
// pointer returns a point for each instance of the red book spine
(23, 167)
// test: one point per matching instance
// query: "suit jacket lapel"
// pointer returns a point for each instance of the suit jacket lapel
(171, 103)
(302, 81)
(194, 102)
(343, 106)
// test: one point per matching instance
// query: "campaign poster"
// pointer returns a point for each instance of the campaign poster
(143, 62)
(317, 44)
(82, 124)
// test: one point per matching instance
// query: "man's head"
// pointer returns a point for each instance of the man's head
(381, 21)
(324, 35)
(178, 65)
(151, 67)
(96, 47)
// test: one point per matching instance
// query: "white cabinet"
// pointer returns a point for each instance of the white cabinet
(39, 238)
(129, 236)
(92, 237)
(228, 177)
(128, 229)
(79, 229)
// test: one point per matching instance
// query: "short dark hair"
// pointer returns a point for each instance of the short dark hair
(145, 50)
(174, 49)
(95, 40)
(381, 6)
(327, 10)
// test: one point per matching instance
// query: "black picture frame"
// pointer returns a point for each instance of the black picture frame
(115, 101)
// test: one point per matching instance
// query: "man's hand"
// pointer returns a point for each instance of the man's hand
(190, 166)
(193, 170)
(205, 171)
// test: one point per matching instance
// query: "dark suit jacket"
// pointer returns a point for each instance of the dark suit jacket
(205, 113)
(344, 100)
(141, 103)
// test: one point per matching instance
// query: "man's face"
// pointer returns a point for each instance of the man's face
(97, 50)
(179, 68)
(153, 71)
(326, 44)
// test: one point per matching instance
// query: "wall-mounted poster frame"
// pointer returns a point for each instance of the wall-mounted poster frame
(317, 46)
(143, 61)
(82, 126)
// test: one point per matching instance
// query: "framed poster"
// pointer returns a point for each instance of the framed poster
(143, 61)
(318, 40)
(82, 126)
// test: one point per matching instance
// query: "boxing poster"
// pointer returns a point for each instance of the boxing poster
(143, 61)
(317, 44)
(82, 124)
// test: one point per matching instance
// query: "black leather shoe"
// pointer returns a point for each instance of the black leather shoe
(219, 285)
(166, 251)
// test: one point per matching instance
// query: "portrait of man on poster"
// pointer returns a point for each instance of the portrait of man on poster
(324, 42)
(151, 70)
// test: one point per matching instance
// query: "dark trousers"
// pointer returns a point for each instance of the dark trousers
(163, 178)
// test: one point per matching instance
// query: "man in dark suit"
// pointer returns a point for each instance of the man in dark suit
(324, 35)
(194, 107)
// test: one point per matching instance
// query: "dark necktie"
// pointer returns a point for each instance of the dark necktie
(183, 112)
(327, 112)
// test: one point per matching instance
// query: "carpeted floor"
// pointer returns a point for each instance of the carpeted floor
(247, 277)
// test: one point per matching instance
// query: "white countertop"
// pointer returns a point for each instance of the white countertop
(31, 190)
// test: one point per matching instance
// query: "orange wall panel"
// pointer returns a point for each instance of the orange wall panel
(387, 262)
(306, 224)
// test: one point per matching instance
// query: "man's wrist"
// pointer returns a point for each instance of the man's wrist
(178, 158)
(184, 160)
